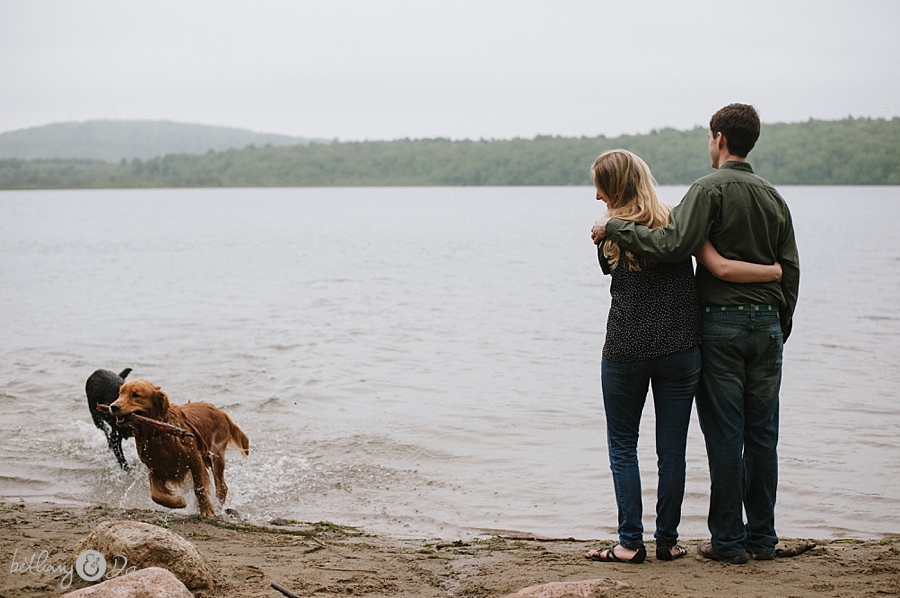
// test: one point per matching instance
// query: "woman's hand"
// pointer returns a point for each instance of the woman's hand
(734, 270)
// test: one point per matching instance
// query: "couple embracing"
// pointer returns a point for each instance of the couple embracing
(718, 335)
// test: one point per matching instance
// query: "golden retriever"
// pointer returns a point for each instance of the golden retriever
(171, 456)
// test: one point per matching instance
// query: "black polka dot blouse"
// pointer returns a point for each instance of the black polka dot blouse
(654, 311)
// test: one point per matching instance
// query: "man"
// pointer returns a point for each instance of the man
(743, 327)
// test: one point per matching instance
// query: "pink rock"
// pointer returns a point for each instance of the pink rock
(589, 588)
(154, 582)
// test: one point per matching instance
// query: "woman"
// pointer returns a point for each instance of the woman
(652, 335)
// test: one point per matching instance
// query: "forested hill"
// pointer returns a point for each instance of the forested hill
(113, 140)
(853, 151)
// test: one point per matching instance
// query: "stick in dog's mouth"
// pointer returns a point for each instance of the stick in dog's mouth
(120, 418)
(131, 418)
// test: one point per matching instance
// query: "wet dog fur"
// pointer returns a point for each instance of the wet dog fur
(170, 457)
(102, 388)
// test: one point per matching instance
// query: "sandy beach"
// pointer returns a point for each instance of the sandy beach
(325, 559)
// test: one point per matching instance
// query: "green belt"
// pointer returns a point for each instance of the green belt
(751, 307)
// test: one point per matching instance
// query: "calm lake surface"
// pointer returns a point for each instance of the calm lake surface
(420, 362)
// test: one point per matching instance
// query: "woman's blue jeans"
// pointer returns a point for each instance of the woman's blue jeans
(674, 380)
(737, 404)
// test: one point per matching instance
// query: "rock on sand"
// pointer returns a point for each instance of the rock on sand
(153, 582)
(589, 588)
(146, 545)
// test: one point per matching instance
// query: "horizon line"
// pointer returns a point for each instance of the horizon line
(407, 138)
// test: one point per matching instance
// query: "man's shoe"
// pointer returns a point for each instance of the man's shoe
(762, 555)
(706, 549)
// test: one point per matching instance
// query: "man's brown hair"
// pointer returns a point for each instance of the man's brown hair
(740, 125)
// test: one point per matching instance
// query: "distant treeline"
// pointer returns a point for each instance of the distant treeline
(853, 151)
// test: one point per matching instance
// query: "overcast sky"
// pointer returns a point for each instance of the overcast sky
(388, 69)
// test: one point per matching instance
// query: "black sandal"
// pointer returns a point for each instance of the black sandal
(610, 557)
(664, 553)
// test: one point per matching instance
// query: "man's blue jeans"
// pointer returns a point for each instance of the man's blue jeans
(737, 403)
(674, 380)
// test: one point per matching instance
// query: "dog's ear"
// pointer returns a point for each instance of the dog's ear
(160, 400)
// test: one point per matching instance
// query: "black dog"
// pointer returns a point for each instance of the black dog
(102, 388)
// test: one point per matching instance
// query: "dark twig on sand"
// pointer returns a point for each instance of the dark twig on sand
(460, 543)
(454, 544)
(541, 539)
(285, 591)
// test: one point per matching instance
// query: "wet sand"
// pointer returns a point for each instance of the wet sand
(325, 560)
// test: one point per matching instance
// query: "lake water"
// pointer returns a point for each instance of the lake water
(421, 362)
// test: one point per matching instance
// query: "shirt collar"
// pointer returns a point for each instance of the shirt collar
(734, 164)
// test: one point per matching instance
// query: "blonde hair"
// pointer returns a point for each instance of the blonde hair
(630, 191)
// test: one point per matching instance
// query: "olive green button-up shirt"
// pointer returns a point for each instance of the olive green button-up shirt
(745, 218)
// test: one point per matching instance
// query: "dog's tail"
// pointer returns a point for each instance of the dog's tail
(124, 373)
(238, 439)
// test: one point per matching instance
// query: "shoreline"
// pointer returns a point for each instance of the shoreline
(327, 559)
